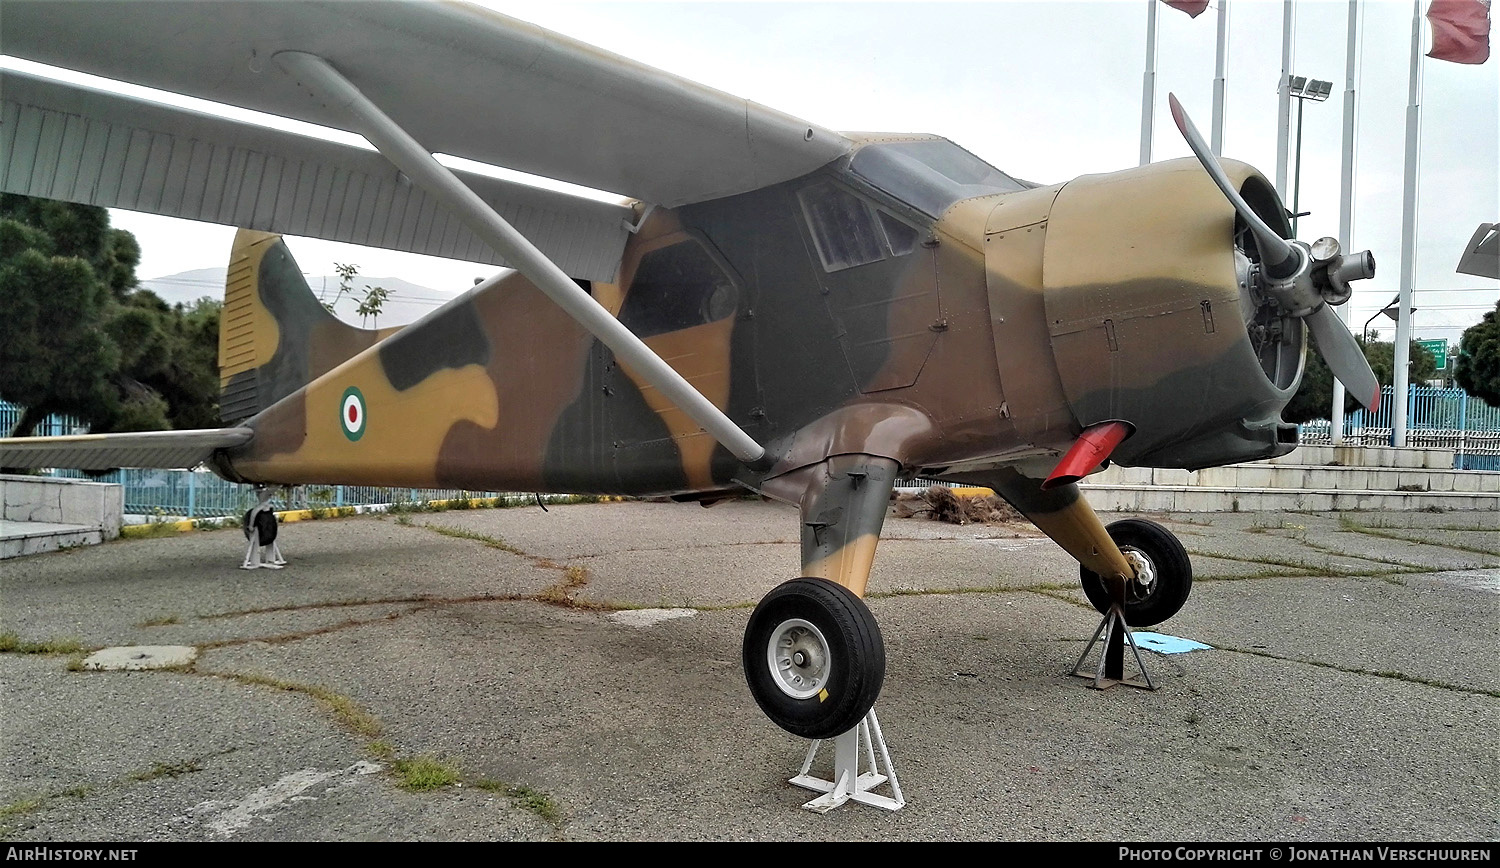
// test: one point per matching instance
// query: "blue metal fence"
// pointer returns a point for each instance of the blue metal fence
(1435, 418)
(202, 494)
(52, 426)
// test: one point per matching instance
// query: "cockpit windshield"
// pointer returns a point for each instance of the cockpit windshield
(930, 174)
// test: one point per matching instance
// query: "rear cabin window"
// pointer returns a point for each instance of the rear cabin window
(675, 288)
(849, 231)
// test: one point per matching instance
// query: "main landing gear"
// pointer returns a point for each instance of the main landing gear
(1163, 573)
(261, 550)
(813, 654)
(814, 658)
(815, 661)
(1163, 578)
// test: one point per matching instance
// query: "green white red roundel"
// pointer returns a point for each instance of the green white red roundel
(352, 413)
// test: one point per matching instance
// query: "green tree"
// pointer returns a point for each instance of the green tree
(76, 336)
(55, 356)
(371, 305)
(1421, 367)
(347, 272)
(175, 352)
(1314, 397)
(1477, 368)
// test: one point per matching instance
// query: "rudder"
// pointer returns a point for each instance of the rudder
(274, 335)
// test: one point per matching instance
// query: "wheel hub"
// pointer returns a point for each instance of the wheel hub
(1145, 572)
(798, 657)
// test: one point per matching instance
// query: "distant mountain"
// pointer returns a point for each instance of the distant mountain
(407, 302)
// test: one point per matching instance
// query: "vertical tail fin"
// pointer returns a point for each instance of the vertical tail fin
(274, 335)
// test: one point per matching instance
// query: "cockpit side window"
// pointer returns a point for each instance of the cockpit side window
(677, 287)
(848, 231)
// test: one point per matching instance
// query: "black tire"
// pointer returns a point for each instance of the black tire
(1146, 605)
(264, 526)
(820, 698)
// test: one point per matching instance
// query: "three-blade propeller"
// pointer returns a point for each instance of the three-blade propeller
(1305, 281)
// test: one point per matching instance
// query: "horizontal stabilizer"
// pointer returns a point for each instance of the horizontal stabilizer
(165, 449)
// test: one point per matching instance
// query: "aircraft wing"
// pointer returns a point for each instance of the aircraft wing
(83, 145)
(462, 80)
(421, 79)
(167, 449)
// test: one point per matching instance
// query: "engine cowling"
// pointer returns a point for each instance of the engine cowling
(1150, 312)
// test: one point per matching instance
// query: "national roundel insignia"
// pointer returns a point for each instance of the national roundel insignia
(352, 413)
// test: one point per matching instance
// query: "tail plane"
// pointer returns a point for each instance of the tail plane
(275, 335)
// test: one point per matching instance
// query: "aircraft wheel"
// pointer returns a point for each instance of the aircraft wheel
(1164, 575)
(814, 657)
(263, 526)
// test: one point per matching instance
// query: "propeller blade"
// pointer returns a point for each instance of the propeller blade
(1280, 258)
(1344, 357)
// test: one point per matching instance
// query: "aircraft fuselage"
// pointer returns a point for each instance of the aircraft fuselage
(825, 316)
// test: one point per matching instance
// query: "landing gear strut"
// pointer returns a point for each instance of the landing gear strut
(261, 550)
(1163, 576)
(813, 654)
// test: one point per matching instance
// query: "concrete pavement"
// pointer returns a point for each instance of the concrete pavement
(1350, 692)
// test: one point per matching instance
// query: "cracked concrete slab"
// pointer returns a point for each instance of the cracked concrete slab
(1320, 705)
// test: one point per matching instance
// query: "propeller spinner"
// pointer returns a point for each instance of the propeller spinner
(1304, 280)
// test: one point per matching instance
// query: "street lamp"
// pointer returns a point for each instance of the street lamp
(1303, 89)
(1392, 310)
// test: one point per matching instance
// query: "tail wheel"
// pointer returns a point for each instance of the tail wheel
(262, 525)
(1164, 575)
(814, 658)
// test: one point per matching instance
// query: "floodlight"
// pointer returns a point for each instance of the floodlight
(1303, 87)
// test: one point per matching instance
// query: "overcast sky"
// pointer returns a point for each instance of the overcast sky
(1047, 91)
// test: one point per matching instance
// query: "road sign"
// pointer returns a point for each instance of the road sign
(1439, 350)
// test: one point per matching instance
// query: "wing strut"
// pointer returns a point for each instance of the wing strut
(325, 83)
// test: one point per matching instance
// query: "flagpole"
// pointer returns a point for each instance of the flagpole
(1284, 103)
(1346, 199)
(1216, 141)
(1148, 85)
(1402, 349)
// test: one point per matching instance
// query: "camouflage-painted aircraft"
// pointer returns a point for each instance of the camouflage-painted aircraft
(776, 308)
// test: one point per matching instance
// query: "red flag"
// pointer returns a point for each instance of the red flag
(1193, 8)
(1460, 30)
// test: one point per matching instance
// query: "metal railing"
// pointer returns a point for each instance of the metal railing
(52, 426)
(197, 494)
(1436, 419)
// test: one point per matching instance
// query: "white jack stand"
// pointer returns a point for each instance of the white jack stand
(1112, 665)
(261, 550)
(848, 783)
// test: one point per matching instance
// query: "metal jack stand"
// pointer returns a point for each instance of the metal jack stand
(848, 783)
(1112, 666)
(260, 534)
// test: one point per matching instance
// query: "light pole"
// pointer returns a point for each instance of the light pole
(1392, 310)
(1303, 89)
